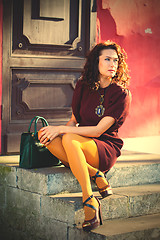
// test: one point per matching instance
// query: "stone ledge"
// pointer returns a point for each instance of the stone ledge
(28, 212)
(125, 202)
(144, 228)
(131, 169)
(130, 175)
(8, 175)
(67, 208)
(131, 225)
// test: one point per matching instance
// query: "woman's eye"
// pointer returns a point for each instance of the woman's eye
(115, 60)
(108, 59)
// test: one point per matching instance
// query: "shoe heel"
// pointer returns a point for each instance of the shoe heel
(97, 220)
(100, 212)
(106, 192)
(100, 216)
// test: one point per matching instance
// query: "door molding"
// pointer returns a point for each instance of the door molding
(30, 67)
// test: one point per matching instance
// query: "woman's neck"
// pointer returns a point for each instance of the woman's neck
(105, 82)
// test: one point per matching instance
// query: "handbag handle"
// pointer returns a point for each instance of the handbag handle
(44, 122)
(36, 118)
(29, 128)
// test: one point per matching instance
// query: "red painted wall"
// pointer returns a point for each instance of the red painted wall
(135, 25)
(1, 24)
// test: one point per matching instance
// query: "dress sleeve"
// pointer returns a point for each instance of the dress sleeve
(119, 104)
(76, 100)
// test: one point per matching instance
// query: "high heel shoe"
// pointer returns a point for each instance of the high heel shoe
(105, 191)
(97, 220)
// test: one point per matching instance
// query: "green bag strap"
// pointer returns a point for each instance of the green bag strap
(44, 122)
(29, 128)
(36, 118)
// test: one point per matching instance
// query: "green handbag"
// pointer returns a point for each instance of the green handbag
(33, 154)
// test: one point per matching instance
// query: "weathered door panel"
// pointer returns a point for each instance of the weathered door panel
(44, 46)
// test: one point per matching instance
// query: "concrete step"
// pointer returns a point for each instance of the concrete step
(132, 168)
(27, 215)
(126, 202)
(136, 228)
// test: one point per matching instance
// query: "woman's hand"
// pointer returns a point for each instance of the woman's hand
(47, 134)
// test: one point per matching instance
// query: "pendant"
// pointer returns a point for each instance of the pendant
(101, 99)
(99, 110)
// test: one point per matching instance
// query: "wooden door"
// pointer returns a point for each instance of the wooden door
(44, 47)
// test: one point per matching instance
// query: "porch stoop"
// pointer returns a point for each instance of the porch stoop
(46, 203)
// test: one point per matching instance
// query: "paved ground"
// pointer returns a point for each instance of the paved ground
(149, 144)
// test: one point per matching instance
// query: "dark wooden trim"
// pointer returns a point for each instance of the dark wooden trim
(30, 59)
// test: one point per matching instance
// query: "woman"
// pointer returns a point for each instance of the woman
(100, 105)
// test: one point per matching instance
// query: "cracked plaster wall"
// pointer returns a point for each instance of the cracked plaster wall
(135, 25)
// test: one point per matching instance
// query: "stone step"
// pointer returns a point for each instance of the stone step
(126, 202)
(135, 168)
(132, 168)
(136, 228)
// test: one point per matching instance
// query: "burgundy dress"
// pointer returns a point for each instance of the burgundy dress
(116, 103)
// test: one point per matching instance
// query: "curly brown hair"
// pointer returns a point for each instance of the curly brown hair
(90, 73)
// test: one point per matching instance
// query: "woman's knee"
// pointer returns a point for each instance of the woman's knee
(68, 139)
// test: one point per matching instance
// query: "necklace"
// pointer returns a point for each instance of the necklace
(100, 109)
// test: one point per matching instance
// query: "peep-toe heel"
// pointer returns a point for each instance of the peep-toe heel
(100, 212)
(97, 220)
(105, 191)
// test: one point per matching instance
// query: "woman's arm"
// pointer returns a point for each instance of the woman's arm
(72, 122)
(90, 131)
(51, 132)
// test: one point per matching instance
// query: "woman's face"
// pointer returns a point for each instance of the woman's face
(108, 63)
